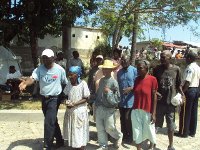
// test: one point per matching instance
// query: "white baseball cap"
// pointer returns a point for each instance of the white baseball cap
(48, 53)
(99, 56)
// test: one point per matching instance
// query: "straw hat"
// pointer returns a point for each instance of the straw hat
(108, 64)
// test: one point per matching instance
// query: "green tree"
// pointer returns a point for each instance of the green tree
(128, 18)
(156, 43)
(30, 19)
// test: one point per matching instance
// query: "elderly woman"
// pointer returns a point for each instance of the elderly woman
(76, 122)
(143, 115)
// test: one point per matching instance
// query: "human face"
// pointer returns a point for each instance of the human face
(73, 78)
(12, 70)
(107, 72)
(125, 62)
(164, 59)
(142, 70)
(99, 61)
(75, 54)
(60, 56)
(188, 60)
(47, 61)
(116, 55)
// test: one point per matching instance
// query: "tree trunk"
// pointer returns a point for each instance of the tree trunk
(66, 39)
(114, 39)
(134, 38)
(117, 37)
(34, 46)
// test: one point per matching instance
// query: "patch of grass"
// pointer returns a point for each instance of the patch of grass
(23, 105)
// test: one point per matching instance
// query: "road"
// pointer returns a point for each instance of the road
(23, 130)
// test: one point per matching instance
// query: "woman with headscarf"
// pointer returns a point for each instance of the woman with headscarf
(143, 115)
(76, 122)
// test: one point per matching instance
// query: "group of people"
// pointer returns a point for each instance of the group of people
(143, 100)
(12, 82)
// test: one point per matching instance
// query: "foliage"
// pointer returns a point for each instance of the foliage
(32, 105)
(156, 43)
(30, 19)
(44, 16)
(116, 17)
(102, 49)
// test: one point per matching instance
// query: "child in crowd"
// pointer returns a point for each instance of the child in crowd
(76, 122)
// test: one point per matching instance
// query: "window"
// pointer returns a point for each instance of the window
(98, 37)
(73, 35)
(86, 36)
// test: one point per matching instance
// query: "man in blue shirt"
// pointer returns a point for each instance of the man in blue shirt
(50, 76)
(126, 77)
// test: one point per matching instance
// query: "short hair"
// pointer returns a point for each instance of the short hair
(168, 53)
(126, 56)
(118, 51)
(59, 52)
(191, 55)
(75, 53)
(12, 67)
(145, 63)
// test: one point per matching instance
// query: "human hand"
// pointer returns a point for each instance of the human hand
(153, 118)
(69, 104)
(183, 99)
(106, 89)
(22, 85)
(159, 96)
(127, 90)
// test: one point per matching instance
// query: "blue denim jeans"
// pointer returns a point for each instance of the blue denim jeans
(189, 112)
(105, 123)
(51, 126)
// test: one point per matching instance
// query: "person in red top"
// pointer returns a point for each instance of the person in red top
(143, 115)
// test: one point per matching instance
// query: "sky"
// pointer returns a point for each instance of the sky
(178, 33)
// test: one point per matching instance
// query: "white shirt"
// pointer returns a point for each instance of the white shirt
(17, 74)
(75, 62)
(192, 74)
(62, 63)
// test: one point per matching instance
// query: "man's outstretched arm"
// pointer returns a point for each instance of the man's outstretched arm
(27, 82)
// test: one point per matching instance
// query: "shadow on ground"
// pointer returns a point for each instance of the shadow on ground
(34, 144)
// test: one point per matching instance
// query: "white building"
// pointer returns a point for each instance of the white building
(82, 39)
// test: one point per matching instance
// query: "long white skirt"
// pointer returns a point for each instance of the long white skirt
(142, 127)
(76, 126)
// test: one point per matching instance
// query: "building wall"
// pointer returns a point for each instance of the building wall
(85, 38)
(140, 45)
(84, 45)
(50, 41)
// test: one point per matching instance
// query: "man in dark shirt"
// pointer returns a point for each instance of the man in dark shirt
(169, 83)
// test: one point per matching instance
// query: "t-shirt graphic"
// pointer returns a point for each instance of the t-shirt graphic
(168, 82)
(49, 78)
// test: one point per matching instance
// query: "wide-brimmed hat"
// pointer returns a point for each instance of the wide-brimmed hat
(108, 64)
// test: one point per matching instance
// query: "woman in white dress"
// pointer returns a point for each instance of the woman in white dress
(76, 122)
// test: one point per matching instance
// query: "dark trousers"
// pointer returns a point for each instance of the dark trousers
(189, 112)
(51, 126)
(126, 127)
